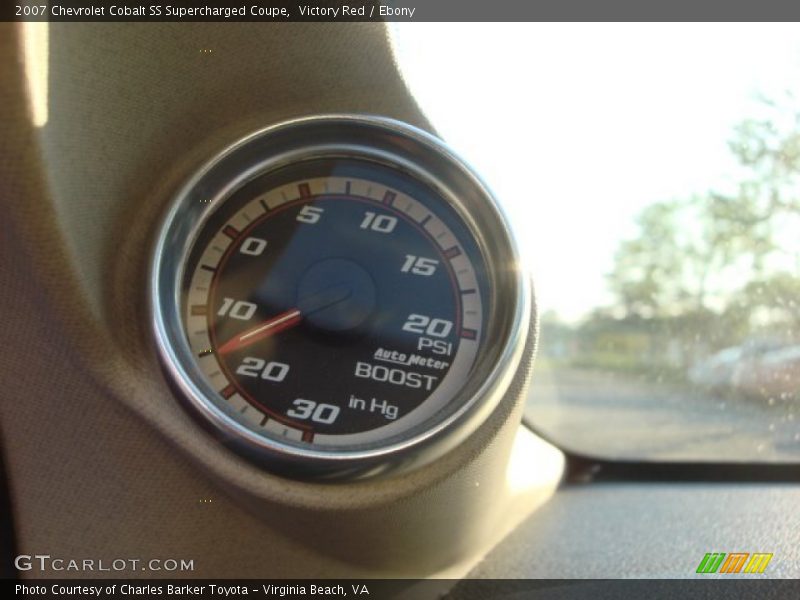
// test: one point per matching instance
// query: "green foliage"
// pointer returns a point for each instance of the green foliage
(713, 252)
(645, 265)
(712, 270)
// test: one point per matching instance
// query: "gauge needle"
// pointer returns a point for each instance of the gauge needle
(288, 319)
(276, 324)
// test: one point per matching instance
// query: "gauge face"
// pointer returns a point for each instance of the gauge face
(335, 302)
(339, 296)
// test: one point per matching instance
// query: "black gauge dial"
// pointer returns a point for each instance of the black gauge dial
(339, 296)
(333, 299)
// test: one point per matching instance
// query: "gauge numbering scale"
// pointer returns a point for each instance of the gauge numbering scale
(338, 297)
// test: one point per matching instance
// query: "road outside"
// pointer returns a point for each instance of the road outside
(618, 415)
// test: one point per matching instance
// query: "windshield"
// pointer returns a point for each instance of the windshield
(652, 173)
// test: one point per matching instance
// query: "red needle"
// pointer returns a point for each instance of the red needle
(276, 324)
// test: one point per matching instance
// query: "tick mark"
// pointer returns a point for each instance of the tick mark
(199, 310)
(388, 197)
(231, 232)
(305, 190)
(451, 253)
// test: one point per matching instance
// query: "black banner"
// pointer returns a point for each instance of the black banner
(396, 10)
(734, 588)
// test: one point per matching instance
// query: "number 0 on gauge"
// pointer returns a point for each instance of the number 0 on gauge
(338, 296)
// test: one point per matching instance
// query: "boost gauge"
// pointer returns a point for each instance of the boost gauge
(339, 296)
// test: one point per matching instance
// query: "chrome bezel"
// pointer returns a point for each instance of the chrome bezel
(368, 138)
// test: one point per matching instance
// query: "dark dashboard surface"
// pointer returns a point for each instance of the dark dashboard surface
(650, 530)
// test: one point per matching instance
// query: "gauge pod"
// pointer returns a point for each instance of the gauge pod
(339, 296)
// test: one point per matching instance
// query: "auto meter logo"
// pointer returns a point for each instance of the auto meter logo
(734, 562)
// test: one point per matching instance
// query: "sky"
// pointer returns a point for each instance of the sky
(577, 127)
